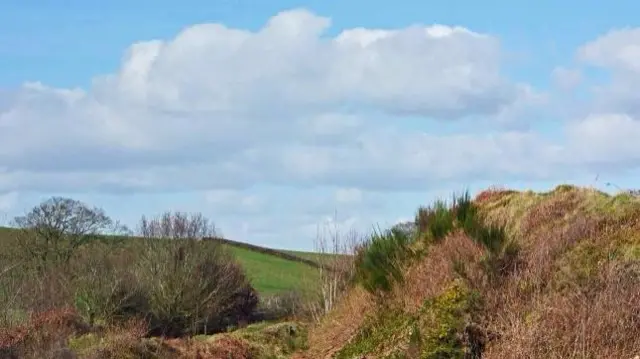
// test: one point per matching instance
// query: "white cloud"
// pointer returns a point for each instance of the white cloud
(348, 195)
(566, 78)
(618, 49)
(618, 53)
(609, 139)
(217, 110)
(216, 106)
(606, 138)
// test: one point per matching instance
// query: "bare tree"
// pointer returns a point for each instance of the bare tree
(54, 229)
(336, 267)
(177, 225)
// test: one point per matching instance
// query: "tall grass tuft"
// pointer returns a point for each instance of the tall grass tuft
(379, 261)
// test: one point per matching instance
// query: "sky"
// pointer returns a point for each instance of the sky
(282, 121)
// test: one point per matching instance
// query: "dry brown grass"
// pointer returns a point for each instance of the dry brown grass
(224, 347)
(492, 194)
(430, 276)
(42, 336)
(598, 322)
(595, 318)
(342, 324)
(549, 211)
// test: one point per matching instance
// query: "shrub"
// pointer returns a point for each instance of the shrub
(438, 330)
(464, 210)
(101, 285)
(444, 320)
(191, 286)
(434, 222)
(379, 262)
(439, 220)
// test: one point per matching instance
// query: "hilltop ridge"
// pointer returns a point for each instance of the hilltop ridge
(563, 282)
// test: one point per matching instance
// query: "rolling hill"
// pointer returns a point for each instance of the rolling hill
(271, 271)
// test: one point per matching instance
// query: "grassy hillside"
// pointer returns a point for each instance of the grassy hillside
(505, 275)
(543, 275)
(271, 274)
(270, 271)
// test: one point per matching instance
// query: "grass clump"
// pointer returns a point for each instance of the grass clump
(439, 220)
(379, 263)
(434, 222)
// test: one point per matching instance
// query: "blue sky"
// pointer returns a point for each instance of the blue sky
(288, 112)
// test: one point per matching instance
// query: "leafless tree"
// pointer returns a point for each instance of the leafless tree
(336, 268)
(54, 229)
(177, 225)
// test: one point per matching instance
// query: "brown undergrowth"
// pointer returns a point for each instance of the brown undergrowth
(431, 276)
(571, 290)
(340, 325)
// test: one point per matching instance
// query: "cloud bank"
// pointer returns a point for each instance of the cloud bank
(219, 110)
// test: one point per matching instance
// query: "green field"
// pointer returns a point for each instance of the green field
(270, 274)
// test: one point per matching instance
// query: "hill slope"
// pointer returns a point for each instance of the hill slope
(564, 283)
(271, 271)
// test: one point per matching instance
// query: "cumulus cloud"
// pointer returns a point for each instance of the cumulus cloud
(223, 107)
(436, 70)
(618, 49)
(618, 54)
(216, 107)
(609, 140)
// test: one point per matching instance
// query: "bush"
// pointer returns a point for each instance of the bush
(101, 282)
(171, 279)
(437, 330)
(436, 222)
(379, 262)
(191, 286)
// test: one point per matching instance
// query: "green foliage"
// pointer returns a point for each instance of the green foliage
(443, 320)
(465, 212)
(435, 332)
(437, 221)
(269, 340)
(384, 328)
(434, 222)
(379, 262)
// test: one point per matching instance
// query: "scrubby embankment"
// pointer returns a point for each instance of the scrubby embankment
(507, 275)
